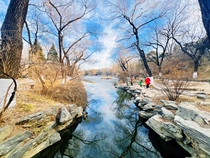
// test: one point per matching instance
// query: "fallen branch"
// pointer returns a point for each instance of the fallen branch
(6, 105)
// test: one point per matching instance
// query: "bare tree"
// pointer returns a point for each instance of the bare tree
(195, 50)
(187, 34)
(11, 35)
(64, 16)
(190, 42)
(134, 18)
(160, 42)
(34, 28)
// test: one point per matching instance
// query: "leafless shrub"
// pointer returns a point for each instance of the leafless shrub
(72, 92)
(173, 87)
(47, 74)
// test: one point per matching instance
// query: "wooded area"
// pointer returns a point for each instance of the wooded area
(65, 20)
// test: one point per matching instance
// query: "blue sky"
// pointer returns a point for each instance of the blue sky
(106, 43)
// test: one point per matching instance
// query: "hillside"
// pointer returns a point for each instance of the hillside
(181, 64)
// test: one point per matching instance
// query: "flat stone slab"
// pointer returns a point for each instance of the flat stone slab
(189, 111)
(12, 142)
(205, 103)
(166, 130)
(167, 114)
(170, 105)
(195, 131)
(32, 117)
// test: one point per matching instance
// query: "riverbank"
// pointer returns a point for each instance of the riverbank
(185, 121)
(38, 121)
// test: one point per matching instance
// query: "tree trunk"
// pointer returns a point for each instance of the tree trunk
(205, 11)
(196, 65)
(11, 35)
(143, 57)
(60, 43)
(160, 71)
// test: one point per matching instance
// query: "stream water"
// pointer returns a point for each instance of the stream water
(113, 128)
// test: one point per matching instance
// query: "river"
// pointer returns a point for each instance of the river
(113, 128)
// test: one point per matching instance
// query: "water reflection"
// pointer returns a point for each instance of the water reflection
(112, 129)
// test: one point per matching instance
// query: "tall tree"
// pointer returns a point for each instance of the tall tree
(65, 17)
(160, 42)
(133, 17)
(11, 36)
(205, 12)
(52, 54)
(195, 50)
(189, 35)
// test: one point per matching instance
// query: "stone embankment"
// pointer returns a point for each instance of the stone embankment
(39, 131)
(182, 122)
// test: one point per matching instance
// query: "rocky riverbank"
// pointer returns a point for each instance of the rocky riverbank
(39, 131)
(182, 122)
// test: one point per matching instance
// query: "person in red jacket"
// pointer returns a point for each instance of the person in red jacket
(147, 80)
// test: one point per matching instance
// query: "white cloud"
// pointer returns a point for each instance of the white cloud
(104, 58)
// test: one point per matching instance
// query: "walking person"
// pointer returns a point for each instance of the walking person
(140, 83)
(127, 81)
(132, 79)
(147, 80)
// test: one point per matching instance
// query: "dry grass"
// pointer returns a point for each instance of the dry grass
(203, 108)
(30, 101)
(72, 92)
(184, 98)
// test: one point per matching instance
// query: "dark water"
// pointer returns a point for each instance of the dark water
(113, 129)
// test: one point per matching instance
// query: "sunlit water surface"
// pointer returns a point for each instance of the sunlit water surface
(113, 128)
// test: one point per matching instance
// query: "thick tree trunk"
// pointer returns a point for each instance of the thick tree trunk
(160, 71)
(196, 65)
(143, 57)
(205, 11)
(11, 35)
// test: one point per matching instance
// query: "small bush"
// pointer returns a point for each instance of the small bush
(72, 92)
(174, 87)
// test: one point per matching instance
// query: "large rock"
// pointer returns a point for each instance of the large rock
(12, 142)
(202, 96)
(44, 140)
(64, 116)
(75, 110)
(137, 100)
(166, 130)
(175, 131)
(32, 117)
(146, 115)
(205, 103)
(170, 105)
(195, 131)
(145, 101)
(20, 150)
(148, 107)
(167, 114)
(189, 111)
